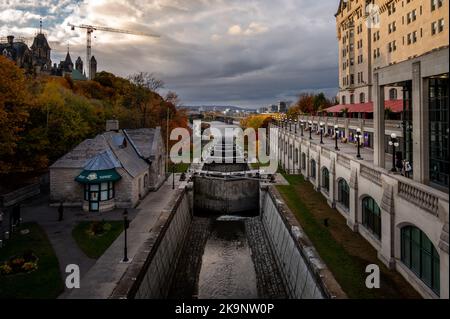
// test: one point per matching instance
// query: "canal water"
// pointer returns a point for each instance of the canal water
(226, 257)
(227, 270)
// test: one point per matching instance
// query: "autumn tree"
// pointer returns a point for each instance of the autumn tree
(43, 118)
(14, 105)
(172, 97)
(320, 102)
(147, 80)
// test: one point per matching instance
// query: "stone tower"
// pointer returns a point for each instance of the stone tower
(79, 65)
(68, 64)
(41, 52)
(93, 68)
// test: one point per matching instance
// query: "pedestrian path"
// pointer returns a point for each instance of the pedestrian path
(101, 279)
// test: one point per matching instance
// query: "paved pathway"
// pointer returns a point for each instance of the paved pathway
(349, 149)
(101, 279)
(60, 233)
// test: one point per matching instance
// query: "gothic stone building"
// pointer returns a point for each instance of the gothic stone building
(37, 58)
(113, 170)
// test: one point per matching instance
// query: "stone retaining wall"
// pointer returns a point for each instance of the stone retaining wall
(304, 273)
(153, 267)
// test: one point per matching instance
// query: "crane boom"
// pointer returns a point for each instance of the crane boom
(92, 28)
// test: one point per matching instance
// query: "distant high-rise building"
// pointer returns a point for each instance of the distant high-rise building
(282, 107)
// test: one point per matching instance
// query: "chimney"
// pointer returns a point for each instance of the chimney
(112, 125)
(10, 39)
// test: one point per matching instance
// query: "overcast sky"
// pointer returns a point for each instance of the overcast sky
(247, 53)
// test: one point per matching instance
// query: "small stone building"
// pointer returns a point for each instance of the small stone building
(113, 170)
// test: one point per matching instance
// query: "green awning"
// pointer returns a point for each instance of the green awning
(95, 177)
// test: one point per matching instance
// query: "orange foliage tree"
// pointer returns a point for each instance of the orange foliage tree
(43, 118)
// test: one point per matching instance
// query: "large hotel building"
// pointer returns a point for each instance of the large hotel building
(393, 100)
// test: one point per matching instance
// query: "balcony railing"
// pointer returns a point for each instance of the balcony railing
(344, 161)
(366, 123)
(371, 174)
(419, 196)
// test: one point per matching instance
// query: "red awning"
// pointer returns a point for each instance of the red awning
(395, 105)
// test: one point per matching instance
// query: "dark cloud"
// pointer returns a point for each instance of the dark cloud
(249, 53)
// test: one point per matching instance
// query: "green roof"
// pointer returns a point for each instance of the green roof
(95, 177)
(78, 76)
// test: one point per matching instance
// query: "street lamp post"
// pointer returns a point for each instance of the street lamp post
(394, 143)
(321, 132)
(302, 123)
(310, 129)
(125, 227)
(336, 131)
(358, 139)
(295, 125)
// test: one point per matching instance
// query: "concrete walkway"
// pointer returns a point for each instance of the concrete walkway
(349, 149)
(60, 233)
(101, 278)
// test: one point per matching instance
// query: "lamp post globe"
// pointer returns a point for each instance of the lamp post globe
(394, 143)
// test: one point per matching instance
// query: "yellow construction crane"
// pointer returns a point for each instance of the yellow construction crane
(92, 28)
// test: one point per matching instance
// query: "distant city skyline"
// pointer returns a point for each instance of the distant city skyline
(248, 54)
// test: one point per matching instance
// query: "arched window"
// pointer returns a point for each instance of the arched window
(352, 99)
(393, 94)
(371, 216)
(419, 255)
(325, 179)
(362, 97)
(303, 161)
(344, 193)
(343, 100)
(313, 169)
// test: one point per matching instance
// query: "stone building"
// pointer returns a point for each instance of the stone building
(115, 169)
(37, 58)
(399, 53)
(41, 54)
(18, 52)
(403, 57)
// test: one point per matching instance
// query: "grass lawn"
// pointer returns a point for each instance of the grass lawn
(95, 245)
(345, 252)
(259, 165)
(43, 283)
(179, 168)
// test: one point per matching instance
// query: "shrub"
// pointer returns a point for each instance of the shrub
(5, 269)
(29, 266)
(98, 228)
(16, 263)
